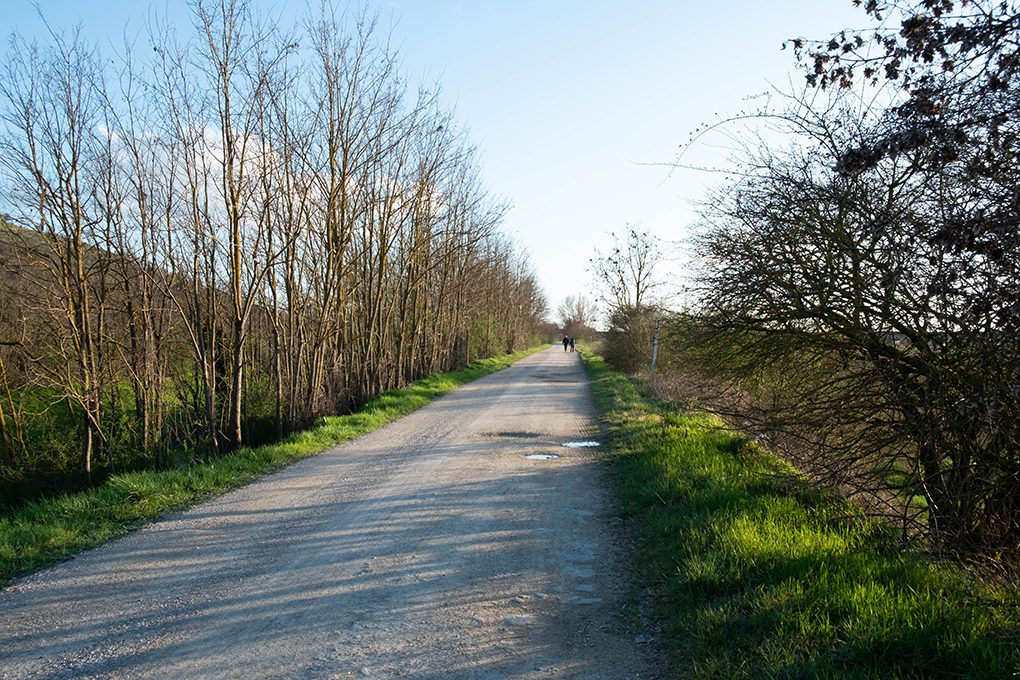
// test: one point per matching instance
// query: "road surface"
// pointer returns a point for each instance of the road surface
(433, 548)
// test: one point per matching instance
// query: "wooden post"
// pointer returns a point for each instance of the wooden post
(655, 344)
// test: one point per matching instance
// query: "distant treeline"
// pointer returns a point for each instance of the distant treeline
(216, 240)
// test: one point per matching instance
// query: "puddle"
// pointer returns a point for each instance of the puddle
(542, 456)
(588, 444)
(519, 620)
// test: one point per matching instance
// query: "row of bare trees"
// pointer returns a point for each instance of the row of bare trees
(241, 232)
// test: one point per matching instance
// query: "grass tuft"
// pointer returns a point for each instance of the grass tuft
(759, 575)
(42, 533)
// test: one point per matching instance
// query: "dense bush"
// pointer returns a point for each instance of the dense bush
(859, 294)
(628, 341)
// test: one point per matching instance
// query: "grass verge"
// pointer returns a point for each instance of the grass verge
(757, 575)
(42, 533)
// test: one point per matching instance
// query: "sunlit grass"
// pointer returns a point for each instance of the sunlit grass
(39, 534)
(758, 575)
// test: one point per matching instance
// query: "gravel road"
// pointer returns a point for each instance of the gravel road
(432, 548)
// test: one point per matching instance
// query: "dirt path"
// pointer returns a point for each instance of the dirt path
(432, 548)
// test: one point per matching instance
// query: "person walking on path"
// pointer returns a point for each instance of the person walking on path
(566, 341)
(571, 344)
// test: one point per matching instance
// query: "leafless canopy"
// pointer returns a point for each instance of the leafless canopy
(217, 240)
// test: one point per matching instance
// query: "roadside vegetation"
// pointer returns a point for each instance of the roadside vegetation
(757, 573)
(42, 533)
(216, 237)
(853, 297)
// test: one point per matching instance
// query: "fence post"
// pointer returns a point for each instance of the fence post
(655, 345)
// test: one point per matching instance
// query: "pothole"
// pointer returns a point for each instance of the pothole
(542, 456)
(555, 377)
(518, 435)
(587, 444)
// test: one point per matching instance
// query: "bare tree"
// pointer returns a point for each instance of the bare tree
(52, 150)
(626, 276)
(577, 316)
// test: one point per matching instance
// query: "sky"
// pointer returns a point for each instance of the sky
(578, 108)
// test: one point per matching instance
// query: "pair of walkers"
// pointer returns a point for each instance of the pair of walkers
(568, 342)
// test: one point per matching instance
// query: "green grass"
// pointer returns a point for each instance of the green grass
(42, 533)
(756, 575)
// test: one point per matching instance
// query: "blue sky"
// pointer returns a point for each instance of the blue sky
(571, 103)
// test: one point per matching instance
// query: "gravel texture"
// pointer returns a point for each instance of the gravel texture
(432, 548)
